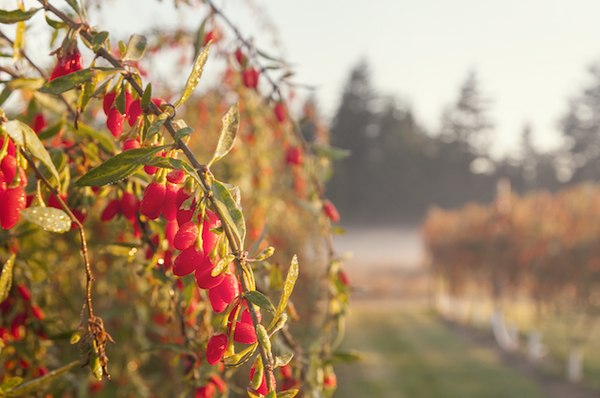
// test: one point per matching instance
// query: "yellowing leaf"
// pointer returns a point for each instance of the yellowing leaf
(49, 218)
(6, 277)
(195, 76)
(288, 287)
(229, 128)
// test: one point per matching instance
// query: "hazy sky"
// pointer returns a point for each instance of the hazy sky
(531, 56)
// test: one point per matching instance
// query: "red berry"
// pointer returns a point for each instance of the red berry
(286, 371)
(111, 210)
(209, 239)
(42, 370)
(108, 101)
(3, 185)
(207, 391)
(128, 101)
(131, 144)
(4, 335)
(53, 201)
(23, 177)
(169, 207)
(159, 102)
(171, 230)
(250, 77)
(24, 292)
(204, 279)
(39, 122)
(344, 278)
(9, 168)
(279, 112)
(330, 380)
(228, 289)
(38, 312)
(294, 156)
(217, 303)
(210, 36)
(10, 146)
(215, 349)
(244, 333)
(129, 205)
(152, 202)
(331, 211)
(185, 236)
(221, 386)
(239, 55)
(263, 389)
(74, 61)
(114, 122)
(134, 111)
(176, 176)
(187, 261)
(11, 204)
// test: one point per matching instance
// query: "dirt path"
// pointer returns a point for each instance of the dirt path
(387, 271)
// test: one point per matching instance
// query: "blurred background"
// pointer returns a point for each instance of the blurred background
(469, 206)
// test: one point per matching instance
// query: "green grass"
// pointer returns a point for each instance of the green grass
(409, 353)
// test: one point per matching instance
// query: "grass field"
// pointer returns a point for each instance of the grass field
(410, 353)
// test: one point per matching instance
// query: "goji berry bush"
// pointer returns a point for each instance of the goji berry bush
(156, 238)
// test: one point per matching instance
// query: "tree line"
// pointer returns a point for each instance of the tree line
(398, 169)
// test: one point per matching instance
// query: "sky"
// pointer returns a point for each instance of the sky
(530, 56)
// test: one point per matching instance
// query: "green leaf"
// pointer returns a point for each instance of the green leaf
(51, 130)
(222, 264)
(283, 359)
(230, 210)
(271, 394)
(288, 287)
(11, 382)
(156, 126)
(259, 372)
(146, 97)
(229, 128)
(288, 393)
(119, 167)
(263, 255)
(86, 95)
(55, 24)
(199, 41)
(240, 358)
(74, 6)
(171, 347)
(99, 40)
(265, 55)
(263, 336)
(6, 277)
(95, 366)
(135, 48)
(121, 101)
(331, 152)
(87, 132)
(72, 80)
(49, 218)
(348, 357)
(25, 84)
(10, 17)
(195, 76)
(23, 135)
(5, 94)
(184, 132)
(36, 384)
(260, 299)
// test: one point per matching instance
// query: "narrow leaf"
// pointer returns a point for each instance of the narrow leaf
(184, 132)
(86, 95)
(288, 287)
(18, 43)
(271, 394)
(55, 24)
(11, 382)
(119, 167)
(199, 41)
(229, 128)
(146, 97)
(263, 336)
(135, 48)
(259, 299)
(222, 264)
(331, 152)
(10, 17)
(283, 359)
(49, 218)
(23, 135)
(36, 384)
(6, 277)
(99, 40)
(230, 210)
(241, 357)
(25, 84)
(195, 76)
(72, 80)
(85, 131)
(155, 127)
(259, 372)
(4, 95)
(74, 6)
(121, 101)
